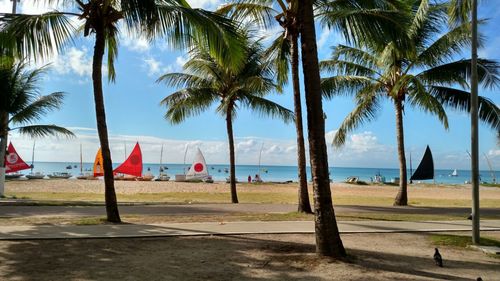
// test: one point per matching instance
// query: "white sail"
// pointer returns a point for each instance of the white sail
(199, 168)
(455, 173)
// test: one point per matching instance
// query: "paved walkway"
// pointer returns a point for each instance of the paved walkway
(11, 209)
(221, 228)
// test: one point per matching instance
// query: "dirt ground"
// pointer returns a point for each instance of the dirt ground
(245, 257)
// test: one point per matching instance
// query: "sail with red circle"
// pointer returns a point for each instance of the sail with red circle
(199, 168)
(133, 165)
(14, 162)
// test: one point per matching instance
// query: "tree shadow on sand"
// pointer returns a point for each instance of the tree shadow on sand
(235, 257)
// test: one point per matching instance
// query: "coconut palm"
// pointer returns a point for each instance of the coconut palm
(182, 25)
(21, 105)
(423, 77)
(285, 53)
(207, 82)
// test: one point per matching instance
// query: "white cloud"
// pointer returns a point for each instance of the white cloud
(134, 43)
(155, 67)
(77, 61)
(205, 4)
(325, 34)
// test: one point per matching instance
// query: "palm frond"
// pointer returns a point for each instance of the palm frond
(343, 85)
(187, 103)
(366, 109)
(37, 109)
(41, 131)
(460, 71)
(260, 12)
(419, 97)
(489, 113)
(447, 46)
(267, 108)
(459, 11)
(184, 27)
(39, 36)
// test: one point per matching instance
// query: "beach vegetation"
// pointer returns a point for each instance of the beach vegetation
(207, 81)
(423, 75)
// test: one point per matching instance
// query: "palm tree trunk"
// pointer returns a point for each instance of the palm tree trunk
(232, 161)
(109, 191)
(4, 134)
(304, 204)
(328, 242)
(402, 197)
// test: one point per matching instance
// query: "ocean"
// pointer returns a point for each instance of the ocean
(273, 173)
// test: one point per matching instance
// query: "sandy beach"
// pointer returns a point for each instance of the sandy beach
(435, 192)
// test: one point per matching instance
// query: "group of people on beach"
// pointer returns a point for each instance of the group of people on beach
(255, 179)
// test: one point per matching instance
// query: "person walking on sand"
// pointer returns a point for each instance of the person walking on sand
(249, 179)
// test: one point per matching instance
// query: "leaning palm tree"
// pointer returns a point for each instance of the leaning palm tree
(207, 82)
(423, 77)
(40, 35)
(21, 105)
(284, 51)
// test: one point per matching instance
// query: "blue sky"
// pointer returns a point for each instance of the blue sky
(134, 114)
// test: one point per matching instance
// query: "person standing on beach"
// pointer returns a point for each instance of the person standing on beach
(249, 179)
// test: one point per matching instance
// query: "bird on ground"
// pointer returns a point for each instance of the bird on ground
(437, 258)
(469, 217)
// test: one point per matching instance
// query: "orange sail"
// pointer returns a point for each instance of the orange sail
(133, 165)
(98, 164)
(13, 162)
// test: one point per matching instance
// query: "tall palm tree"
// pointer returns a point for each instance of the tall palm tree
(175, 19)
(328, 242)
(285, 52)
(21, 105)
(422, 76)
(207, 82)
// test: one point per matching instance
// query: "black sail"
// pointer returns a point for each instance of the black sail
(425, 170)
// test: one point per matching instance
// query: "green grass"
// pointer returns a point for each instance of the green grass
(461, 241)
(90, 221)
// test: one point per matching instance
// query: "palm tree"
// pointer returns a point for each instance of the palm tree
(175, 19)
(21, 105)
(328, 242)
(285, 52)
(422, 77)
(207, 82)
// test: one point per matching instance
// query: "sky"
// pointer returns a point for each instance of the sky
(134, 114)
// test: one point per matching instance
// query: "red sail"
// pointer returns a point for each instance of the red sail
(133, 165)
(13, 161)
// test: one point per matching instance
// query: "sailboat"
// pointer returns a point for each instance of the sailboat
(132, 167)
(98, 164)
(82, 176)
(14, 163)
(425, 170)
(454, 173)
(162, 176)
(198, 170)
(36, 175)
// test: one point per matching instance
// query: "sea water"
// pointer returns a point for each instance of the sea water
(272, 173)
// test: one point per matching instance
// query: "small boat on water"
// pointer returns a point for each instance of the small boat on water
(13, 176)
(454, 173)
(35, 176)
(69, 167)
(60, 175)
(163, 176)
